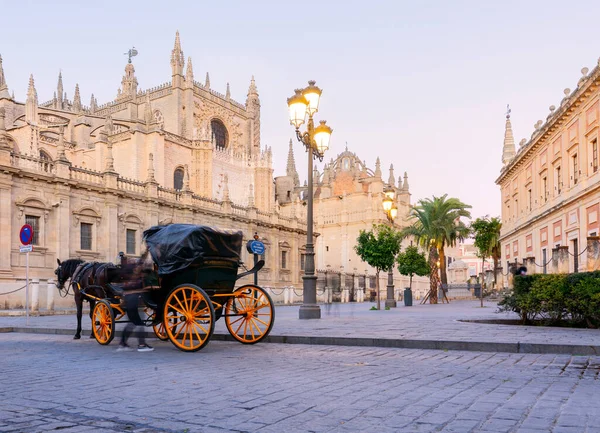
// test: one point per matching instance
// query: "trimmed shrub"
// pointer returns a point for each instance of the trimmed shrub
(555, 299)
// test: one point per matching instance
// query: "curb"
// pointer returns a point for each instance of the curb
(469, 346)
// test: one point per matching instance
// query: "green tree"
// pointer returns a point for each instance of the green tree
(412, 262)
(378, 247)
(486, 233)
(436, 224)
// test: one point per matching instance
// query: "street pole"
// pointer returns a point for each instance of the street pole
(256, 273)
(309, 308)
(316, 140)
(27, 287)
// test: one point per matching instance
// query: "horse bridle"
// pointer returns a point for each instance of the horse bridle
(61, 285)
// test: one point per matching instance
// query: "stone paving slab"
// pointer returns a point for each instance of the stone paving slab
(441, 326)
(52, 383)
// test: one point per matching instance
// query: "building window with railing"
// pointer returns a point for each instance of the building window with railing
(85, 234)
(545, 189)
(530, 199)
(130, 238)
(302, 261)
(284, 260)
(557, 180)
(575, 167)
(34, 222)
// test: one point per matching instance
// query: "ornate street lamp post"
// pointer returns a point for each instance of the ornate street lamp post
(391, 211)
(316, 140)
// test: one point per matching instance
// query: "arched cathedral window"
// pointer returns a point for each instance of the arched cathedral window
(45, 161)
(219, 134)
(178, 179)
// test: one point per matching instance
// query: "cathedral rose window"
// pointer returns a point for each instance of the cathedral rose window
(219, 134)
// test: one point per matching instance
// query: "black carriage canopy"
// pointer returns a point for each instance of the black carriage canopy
(176, 246)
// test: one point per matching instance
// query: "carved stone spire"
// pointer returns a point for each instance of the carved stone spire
(93, 104)
(189, 74)
(110, 162)
(207, 81)
(108, 125)
(60, 92)
(186, 178)
(253, 109)
(405, 184)
(290, 169)
(109, 128)
(129, 83)
(177, 59)
(508, 151)
(250, 196)
(148, 116)
(391, 179)
(225, 187)
(228, 92)
(31, 105)
(61, 144)
(399, 182)
(378, 168)
(77, 107)
(252, 90)
(3, 140)
(150, 177)
(326, 177)
(3, 86)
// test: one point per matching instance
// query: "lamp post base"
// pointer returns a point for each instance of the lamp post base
(310, 312)
(390, 303)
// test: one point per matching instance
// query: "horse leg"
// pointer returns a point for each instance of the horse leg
(92, 305)
(79, 304)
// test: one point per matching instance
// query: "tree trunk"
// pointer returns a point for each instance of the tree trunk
(377, 288)
(434, 279)
(482, 281)
(443, 275)
(410, 282)
(495, 268)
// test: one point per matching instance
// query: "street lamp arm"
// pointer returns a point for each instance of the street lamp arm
(306, 139)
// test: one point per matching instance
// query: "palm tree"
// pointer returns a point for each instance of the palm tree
(436, 225)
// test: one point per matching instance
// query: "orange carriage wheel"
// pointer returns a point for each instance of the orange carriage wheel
(189, 317)
(158, 328)
(249, 314)
(160, 331)
(103, 322)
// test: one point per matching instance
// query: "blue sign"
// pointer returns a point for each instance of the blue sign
(26, 234)
(256, 247)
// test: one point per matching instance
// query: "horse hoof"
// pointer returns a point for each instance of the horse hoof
(76, 337)
(91, 335)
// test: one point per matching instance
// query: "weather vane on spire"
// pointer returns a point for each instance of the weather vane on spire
(507, 111)
(131, 53)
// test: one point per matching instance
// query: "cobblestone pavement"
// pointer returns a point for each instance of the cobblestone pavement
(421, 322)
(53, 383)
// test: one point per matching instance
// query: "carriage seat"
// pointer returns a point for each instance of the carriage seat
(115, 289)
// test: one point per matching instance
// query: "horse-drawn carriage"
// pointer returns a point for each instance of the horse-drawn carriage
(196, 268)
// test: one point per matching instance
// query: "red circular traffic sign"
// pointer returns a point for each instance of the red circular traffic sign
(26, 234)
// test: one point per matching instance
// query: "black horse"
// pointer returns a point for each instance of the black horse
(90, 277)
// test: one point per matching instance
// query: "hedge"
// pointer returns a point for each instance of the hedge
(556, 299)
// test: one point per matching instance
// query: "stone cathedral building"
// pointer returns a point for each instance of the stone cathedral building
(90, 179)
(348, 198)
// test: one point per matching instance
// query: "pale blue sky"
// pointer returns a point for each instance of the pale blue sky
(422, 84)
